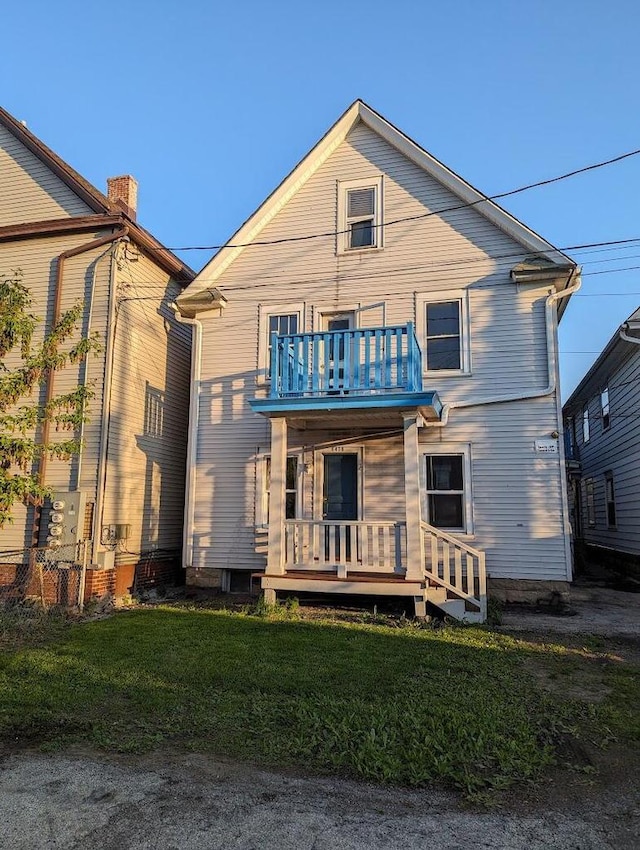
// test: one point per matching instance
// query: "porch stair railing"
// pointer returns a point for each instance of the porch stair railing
(344, 545)
(455, 575)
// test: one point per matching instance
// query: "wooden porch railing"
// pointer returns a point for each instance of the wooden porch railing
(348, 545)
(359, 360)
(456, 567)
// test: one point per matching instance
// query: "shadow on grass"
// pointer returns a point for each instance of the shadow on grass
(403, 705)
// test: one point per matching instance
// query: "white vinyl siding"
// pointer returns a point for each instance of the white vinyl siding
(149, 415)
(517, 493)
(86, 277)
(29, 190)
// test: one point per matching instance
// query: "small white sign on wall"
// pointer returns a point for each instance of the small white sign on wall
(547, 447)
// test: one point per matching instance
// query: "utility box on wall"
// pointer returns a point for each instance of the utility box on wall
(64, 524)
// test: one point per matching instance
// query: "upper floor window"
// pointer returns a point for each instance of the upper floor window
(604, 404)
(443, 332)
(282, 320)
(360, 214)
(585, 424)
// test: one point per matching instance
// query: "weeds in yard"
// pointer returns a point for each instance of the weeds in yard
(387, 702)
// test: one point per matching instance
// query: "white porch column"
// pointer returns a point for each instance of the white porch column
(277, 496)
(415, 539)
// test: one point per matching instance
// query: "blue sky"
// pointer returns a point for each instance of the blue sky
(210, 104)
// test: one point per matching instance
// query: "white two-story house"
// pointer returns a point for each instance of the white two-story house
(375, 404)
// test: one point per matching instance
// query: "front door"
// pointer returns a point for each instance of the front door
(339, 501)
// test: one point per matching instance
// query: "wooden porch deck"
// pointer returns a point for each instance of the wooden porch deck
(323, 581)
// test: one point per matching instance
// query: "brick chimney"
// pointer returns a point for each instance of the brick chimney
(123, 191)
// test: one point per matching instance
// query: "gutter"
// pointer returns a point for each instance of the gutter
(57, 301)
(551, 364)
(625, 336)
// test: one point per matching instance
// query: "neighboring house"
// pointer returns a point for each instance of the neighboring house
(74, 243)
(602, 428)
(375, 403)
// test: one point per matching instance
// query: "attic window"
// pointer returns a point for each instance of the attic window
(360, 215)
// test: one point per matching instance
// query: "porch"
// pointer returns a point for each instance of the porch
(370, 558)
(363, 380)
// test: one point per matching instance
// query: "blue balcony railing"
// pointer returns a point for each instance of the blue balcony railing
(365, 361)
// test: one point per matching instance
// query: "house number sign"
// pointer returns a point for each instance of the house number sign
(547, 447)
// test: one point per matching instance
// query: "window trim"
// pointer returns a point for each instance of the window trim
(609, 480)
(261, 509)
(343, 188)
(602, 409)
(265, 311)
(462, 297)
(463, 449)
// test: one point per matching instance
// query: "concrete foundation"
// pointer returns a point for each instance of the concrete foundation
(529, 591)
(210, 579)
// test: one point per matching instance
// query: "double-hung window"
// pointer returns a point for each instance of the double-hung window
(604, 406)
(610, 497)
(590, 500)
(291, 489)
(586, 430)
(359, 214)
(446, 488)
(442, 326)
(282, 320)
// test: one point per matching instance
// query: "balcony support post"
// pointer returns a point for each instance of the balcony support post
(277, 496)
(415, 538)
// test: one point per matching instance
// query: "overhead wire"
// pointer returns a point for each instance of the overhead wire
(483, 199)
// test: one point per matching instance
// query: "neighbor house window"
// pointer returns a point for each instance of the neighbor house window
(610, 497)
(445, 491)
(442, 327)
(604, 404)
(585, 424)
(291, 489)
(360, 214)
(590, 501)
(282, 320)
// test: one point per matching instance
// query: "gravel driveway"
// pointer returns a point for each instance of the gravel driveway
(165, 802)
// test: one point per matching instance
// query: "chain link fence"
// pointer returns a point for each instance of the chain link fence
(46, 577)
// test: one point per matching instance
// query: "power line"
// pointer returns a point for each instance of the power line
(481, 200)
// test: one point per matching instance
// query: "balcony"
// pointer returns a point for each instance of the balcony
(347, 370)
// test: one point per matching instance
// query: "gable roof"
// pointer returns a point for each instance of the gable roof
(613, 354)
(360, 111)
(108, 212)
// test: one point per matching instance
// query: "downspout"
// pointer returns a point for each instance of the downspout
(551, 364)
(192, 436)
(57, 301)
(107, 384)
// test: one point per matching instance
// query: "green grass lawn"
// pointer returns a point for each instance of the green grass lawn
(391, 703)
